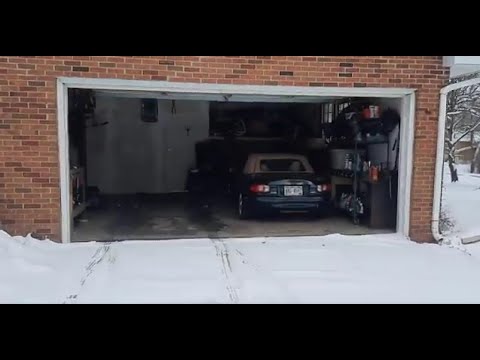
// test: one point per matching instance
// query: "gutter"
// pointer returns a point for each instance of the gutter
(437, 194)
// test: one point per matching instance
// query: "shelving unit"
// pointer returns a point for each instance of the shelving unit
(356, 161)
(356, 178)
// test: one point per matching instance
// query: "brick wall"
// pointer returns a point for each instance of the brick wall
(29, 180)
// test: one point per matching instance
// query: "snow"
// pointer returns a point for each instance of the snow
(461, 201)
(329, 269)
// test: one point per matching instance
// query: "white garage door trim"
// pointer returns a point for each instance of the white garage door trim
(274, 93)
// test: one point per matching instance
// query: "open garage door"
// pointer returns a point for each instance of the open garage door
(150, 164)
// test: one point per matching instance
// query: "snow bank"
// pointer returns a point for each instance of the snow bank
(33, 271)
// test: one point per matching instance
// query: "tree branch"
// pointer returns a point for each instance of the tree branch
(466, 133)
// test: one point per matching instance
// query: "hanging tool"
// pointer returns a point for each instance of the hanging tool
(395, 167)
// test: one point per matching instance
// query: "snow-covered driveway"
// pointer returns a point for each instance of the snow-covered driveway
(338, 269)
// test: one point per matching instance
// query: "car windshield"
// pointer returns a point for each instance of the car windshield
(282, 165)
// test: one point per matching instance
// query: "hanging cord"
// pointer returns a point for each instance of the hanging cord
(174, 107)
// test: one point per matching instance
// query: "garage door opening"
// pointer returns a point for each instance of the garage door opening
(151, 165)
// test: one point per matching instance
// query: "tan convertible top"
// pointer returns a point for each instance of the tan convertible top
(253, 163)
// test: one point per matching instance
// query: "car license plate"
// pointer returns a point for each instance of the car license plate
(293, 191)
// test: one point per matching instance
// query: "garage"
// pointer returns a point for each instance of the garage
(153, 160)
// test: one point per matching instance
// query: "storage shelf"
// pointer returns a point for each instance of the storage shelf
(367, 120)
(77, 210)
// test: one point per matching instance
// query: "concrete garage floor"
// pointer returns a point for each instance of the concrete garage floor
(161, 217)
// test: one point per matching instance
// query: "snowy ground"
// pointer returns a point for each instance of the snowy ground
(330, 269)
(461, 201)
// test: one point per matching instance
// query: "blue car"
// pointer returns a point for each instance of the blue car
(281, 183)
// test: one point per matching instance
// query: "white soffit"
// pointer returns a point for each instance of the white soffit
(462, 65)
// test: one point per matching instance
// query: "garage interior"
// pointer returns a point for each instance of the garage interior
(153, 166)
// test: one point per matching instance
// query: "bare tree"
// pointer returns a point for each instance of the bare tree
(475, 167)
(463, 118)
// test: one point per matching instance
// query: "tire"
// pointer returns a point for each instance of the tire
(242, 208)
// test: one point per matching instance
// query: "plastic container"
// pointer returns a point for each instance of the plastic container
(338, 157)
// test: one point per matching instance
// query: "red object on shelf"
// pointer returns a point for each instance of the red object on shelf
(366, 113)
(371, 112)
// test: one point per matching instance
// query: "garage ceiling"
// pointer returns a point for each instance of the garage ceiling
(216, 97)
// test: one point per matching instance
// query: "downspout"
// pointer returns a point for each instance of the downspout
(437, 190)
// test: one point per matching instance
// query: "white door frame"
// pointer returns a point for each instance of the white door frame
(227, 90)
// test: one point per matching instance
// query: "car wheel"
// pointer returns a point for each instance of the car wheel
(243, 211)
